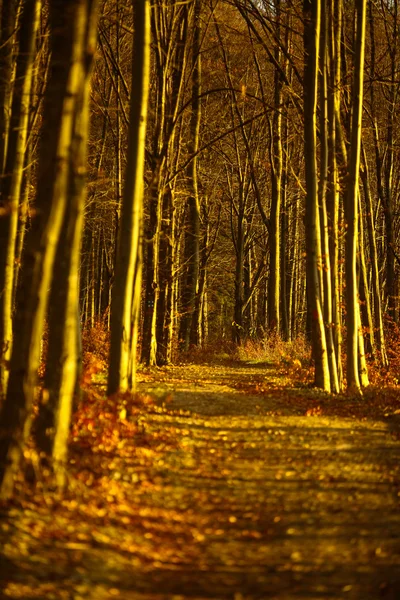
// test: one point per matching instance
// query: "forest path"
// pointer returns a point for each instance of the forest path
(241, 487)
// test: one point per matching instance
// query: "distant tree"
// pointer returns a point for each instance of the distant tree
(169, 23)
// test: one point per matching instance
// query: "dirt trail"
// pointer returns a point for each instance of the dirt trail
(269, 493)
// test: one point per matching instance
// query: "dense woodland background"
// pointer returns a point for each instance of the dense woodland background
(185, 173)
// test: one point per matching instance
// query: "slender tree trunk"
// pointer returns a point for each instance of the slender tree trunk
(284, 239)
(237, 326)
(8, 26)
(323, 181)
(169, 26)
(165, 265)
(352, 305)
(152, 242)
(127, 285)
(389, 206)
(333, 191)
(376, 289)
(192, 231)
(274, 283)
(313, 237)
(384, 158)
(365, 302)
(11, 182)
(295, 274)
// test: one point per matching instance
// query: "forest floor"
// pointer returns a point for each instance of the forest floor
(231, 480)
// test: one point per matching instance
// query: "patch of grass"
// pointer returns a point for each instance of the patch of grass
(272, 350)
(276, 351)
(214, 353)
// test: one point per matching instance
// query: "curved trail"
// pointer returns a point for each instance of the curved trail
(269, 493)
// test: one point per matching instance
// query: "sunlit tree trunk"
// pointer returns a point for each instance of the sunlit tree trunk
(351, 209)
(127, 285)
(323, 184)
(63, 354)
(170, 35)
(284, 238)
(313, 237)
(68, 28)
(295, 273)
(333, 191)
(8, 27)
(274, 283)
(11, 182)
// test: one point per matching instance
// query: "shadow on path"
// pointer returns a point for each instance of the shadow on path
(255, 501)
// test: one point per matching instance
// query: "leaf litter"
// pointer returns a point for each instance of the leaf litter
(215, 481)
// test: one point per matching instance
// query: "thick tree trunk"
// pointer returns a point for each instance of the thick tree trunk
(68, 27)
(64, 348)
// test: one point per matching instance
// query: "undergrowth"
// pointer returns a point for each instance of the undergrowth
(276, 351)
(294, 355)
(96, 348)
(271, 350)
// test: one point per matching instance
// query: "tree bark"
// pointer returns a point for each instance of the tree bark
(64, 347)
(351, 198)
(68, 24)
(192, 231)
(126, 291)
(11, 183)
(313, 237)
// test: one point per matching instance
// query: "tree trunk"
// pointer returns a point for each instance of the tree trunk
(351, 197)
(376, 288)
(333, 191)
(274, 282)
(64, 348)
(8, 26)
(313, 238)
(126, 291)
(323, 181)
(68, 26)
(192, 230)
(11, 183)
